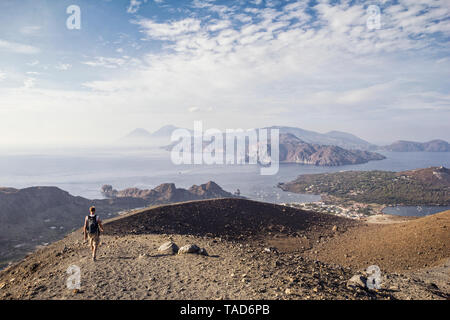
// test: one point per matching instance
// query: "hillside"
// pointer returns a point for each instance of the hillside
(34, 216)
(430, 186)
(256, 251)
(411, 146)
(227, 218)
(394, 247)
(39, 215)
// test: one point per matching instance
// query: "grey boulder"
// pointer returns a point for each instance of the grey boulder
(168, 248)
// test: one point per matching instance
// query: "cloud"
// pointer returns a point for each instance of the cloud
(33, 63)
(2, 76)
(169, 30)
(319, 62)
(135, 6)
(30, 30)
(291, 63)
(63, 66)
(29, 83)
(194, 109)
(18, 47)
(112, 63)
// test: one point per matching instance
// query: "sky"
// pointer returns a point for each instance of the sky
(381, 73)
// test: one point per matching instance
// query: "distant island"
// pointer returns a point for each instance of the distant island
(169, 193)
(344, 140)
(143, 136)
(341, 139)
(411, 146)
(295, 150)
(430, 186)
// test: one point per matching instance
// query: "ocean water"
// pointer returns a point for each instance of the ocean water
(417, 211)
(83, 172)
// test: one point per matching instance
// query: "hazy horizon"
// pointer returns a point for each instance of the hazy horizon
(116, 140)
(316, 65)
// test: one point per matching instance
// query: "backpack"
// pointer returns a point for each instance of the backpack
(92, 224)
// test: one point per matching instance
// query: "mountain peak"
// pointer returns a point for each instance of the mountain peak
(165, 131)
(138, 133)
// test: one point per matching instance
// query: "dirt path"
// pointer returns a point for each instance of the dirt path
(387, 219)
(131, 268)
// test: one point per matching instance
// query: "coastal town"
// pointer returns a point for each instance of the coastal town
(355, 211)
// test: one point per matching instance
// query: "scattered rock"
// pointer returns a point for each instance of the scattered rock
(290, 292)
(394, 288)
(432, 286)
(203, 252)
(189, 248)
(168, 248)
(357, 281)
(270, 250)
(292, 280)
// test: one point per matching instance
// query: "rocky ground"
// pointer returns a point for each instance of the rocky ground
(282, 263)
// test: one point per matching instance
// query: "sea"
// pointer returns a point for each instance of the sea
(83, 171)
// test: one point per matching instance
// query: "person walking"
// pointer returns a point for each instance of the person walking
(92, 228)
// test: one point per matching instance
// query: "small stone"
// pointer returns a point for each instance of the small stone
(357, 281)
(393, 288)
(168, 248)
(189, 248)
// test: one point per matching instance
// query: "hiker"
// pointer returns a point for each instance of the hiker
(92, 228)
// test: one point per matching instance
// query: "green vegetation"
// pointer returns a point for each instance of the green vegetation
(381, 187)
